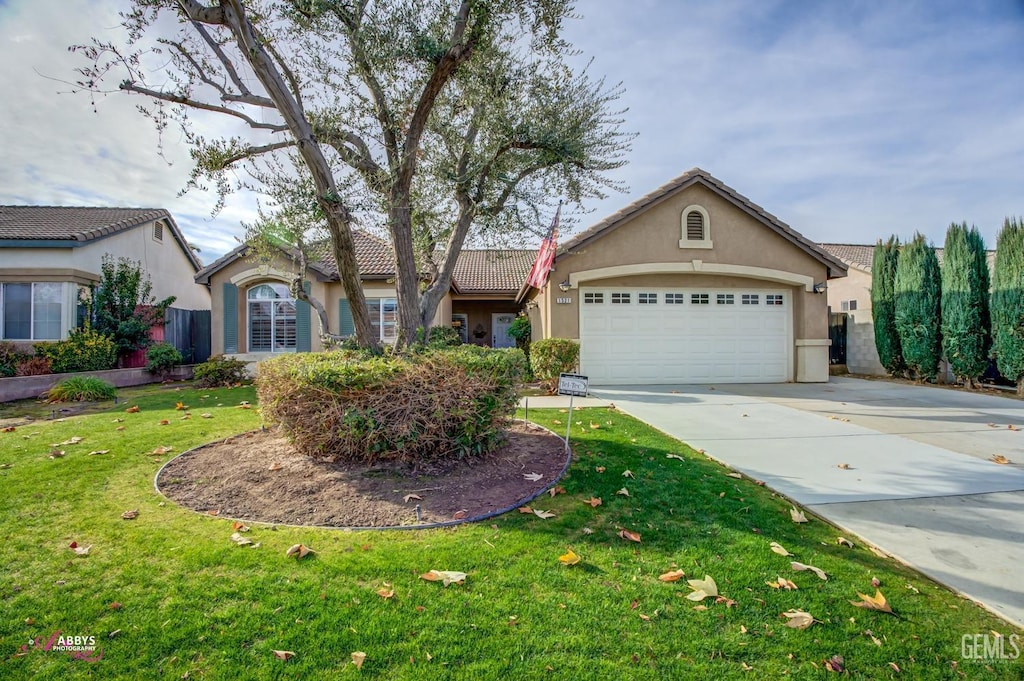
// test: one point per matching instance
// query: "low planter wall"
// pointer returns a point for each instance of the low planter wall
(23, 387)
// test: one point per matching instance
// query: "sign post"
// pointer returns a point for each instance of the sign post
(572, 385)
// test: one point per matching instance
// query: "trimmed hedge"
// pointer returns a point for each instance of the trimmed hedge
(435, 405)
(161, 357)
(550, 357)
(84, 350)
(219, 371)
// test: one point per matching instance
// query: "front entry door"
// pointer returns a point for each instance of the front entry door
(500, 324)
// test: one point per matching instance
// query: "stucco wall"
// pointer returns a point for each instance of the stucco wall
(164, 261)
(861, 354)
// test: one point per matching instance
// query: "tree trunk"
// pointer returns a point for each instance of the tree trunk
(1020, 387)
(431, 298)
(407, 281)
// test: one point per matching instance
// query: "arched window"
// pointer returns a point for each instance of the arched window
(696, 228)
(271, 311)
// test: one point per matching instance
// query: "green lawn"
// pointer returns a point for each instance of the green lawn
(185, 600)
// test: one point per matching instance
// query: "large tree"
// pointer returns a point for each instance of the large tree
(1008, 303)
(918, 298)
(965, 293)
(438, 120)
(883, 305)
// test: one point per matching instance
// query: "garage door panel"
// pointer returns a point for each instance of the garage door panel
(676, 343)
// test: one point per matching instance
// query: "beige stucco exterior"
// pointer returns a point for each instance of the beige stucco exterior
(649, 249)
(861, 354)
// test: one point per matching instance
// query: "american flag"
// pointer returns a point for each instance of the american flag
(545, 256)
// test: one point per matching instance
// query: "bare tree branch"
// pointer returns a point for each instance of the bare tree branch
(252, 152)
(129, 86)
(202, 13)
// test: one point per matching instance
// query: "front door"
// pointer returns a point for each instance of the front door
(500, 324)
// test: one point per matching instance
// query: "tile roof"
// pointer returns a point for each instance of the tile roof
(373, 255)
(81, 224)
(691, 177)
(861, 255)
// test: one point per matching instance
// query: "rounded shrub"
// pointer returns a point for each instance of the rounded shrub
(550, 357)
(33, 366)
(81, 389)
(219, 371)
(10, 358)
(84, 350)
(440, 404)
(161, 357)
(444, 337)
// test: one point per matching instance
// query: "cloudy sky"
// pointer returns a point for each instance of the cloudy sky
(848, 120)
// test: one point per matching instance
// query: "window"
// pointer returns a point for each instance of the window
(725, 299)
(696, 228)
(32, 311)
(775, 299)
(158, 230)
(751, 299)
(620, 298)
(593, 298)
(647, 298)
(383, 317)
(675, 298)
(699, 299)
(271, 318)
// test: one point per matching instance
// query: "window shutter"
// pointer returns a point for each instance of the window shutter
(694, 226)
(230, 318)
(346, 326)
(303, 340)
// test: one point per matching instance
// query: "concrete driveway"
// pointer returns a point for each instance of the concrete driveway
(917, 482)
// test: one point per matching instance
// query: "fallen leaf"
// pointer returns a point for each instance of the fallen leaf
(119, 428)
(844, 466)
(118, 420)
(729, 603)
(782, 583)
(460, 514)
(777, 548)
(132, 410)
(595, 426)
(878, 552)
(569, 558)
(162, 450)
(876, 582)
(746, 667)
(674, 456)
(630, 536)
(386, 593)
(446, 577)
(358, 658)
(1012, 427)
(734, 475)
(743, 629)
(600, 469)
(56, 453)
(130, 515)
(800, 567)
(835, 663)
(672, 576)
(895, 667)
(593, 501)
(186, 417)
(275, 466)
(283, 654)
(557, 489)
(797, 516)
(999, 458)
(533, 477)
(214, 511)
(240, 540)
(843, 541)
(9, 429)
(587, 530)
(99, 451)
(556, 422)
(207, 416)
(628, 474)
(299, 551)
(72, 441)
(115, 606)
(180, 406)
(624, 492)
(525, 509)
(876, 602)
(700, 608)
(239, 526)
(81, 550)
(702, 588)
(543, 514)
(798, 619)
(409, 497)
(164, 422)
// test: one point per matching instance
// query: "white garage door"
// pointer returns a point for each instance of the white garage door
(660, 335)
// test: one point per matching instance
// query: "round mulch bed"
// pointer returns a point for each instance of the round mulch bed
(260, 477)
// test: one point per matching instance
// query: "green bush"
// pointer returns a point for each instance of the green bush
(10, 358)
(883, 306)
(521, 331)
(444, 337)
(84, 350)
(965, 291)
(81, 389)
(429, 406)
(550, 357)
(33, 366)
(918, 308)
(161, 357)
(1008, 303)
(219, 371)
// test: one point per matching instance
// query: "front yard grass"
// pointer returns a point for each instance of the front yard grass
(186, 602)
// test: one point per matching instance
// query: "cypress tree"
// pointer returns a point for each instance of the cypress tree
(965, 318)
(883, 305)
(1008, 303)
(918, 298)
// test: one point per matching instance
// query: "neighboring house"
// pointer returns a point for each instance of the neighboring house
(255, 315)
(851, 297)
(49, 253)
(692, 283)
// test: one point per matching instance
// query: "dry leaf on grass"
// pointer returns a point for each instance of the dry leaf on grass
(895, 667)
(702, 588)
(569, 558)
(239, 526)
(525, 509)
(797, 516)
(593, 501)
(843, 541)
(130, 515)
(630, 536)
(999, 458)
(533, 477)
(9, 429)
(587, 530)
(876, 602)
(557, 489)
(71, 441)
(782, 583)
(798, 619)
(132, 410)
(299, 551)
(674, 456)
(800, 567)
(734, 475)
(358, 658)
(180, 406)
(56, 453)
(446, 577)
(876, 582)
(778, 548)
(410, 497)
(624, 492)
(79, 550)
(98, 451)
(159, 451)
(543, 514)
(385, 592)
(206, 416)
(284, 654)
(240, 540)
(599, 469)
(164, 422)
(119, 428)
(672, 576)
(835, 663)
(628, 474)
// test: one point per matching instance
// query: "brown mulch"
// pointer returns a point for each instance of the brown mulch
(233, 478)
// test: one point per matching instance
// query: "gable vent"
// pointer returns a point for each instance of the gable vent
(158, 230)
(694, 226)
